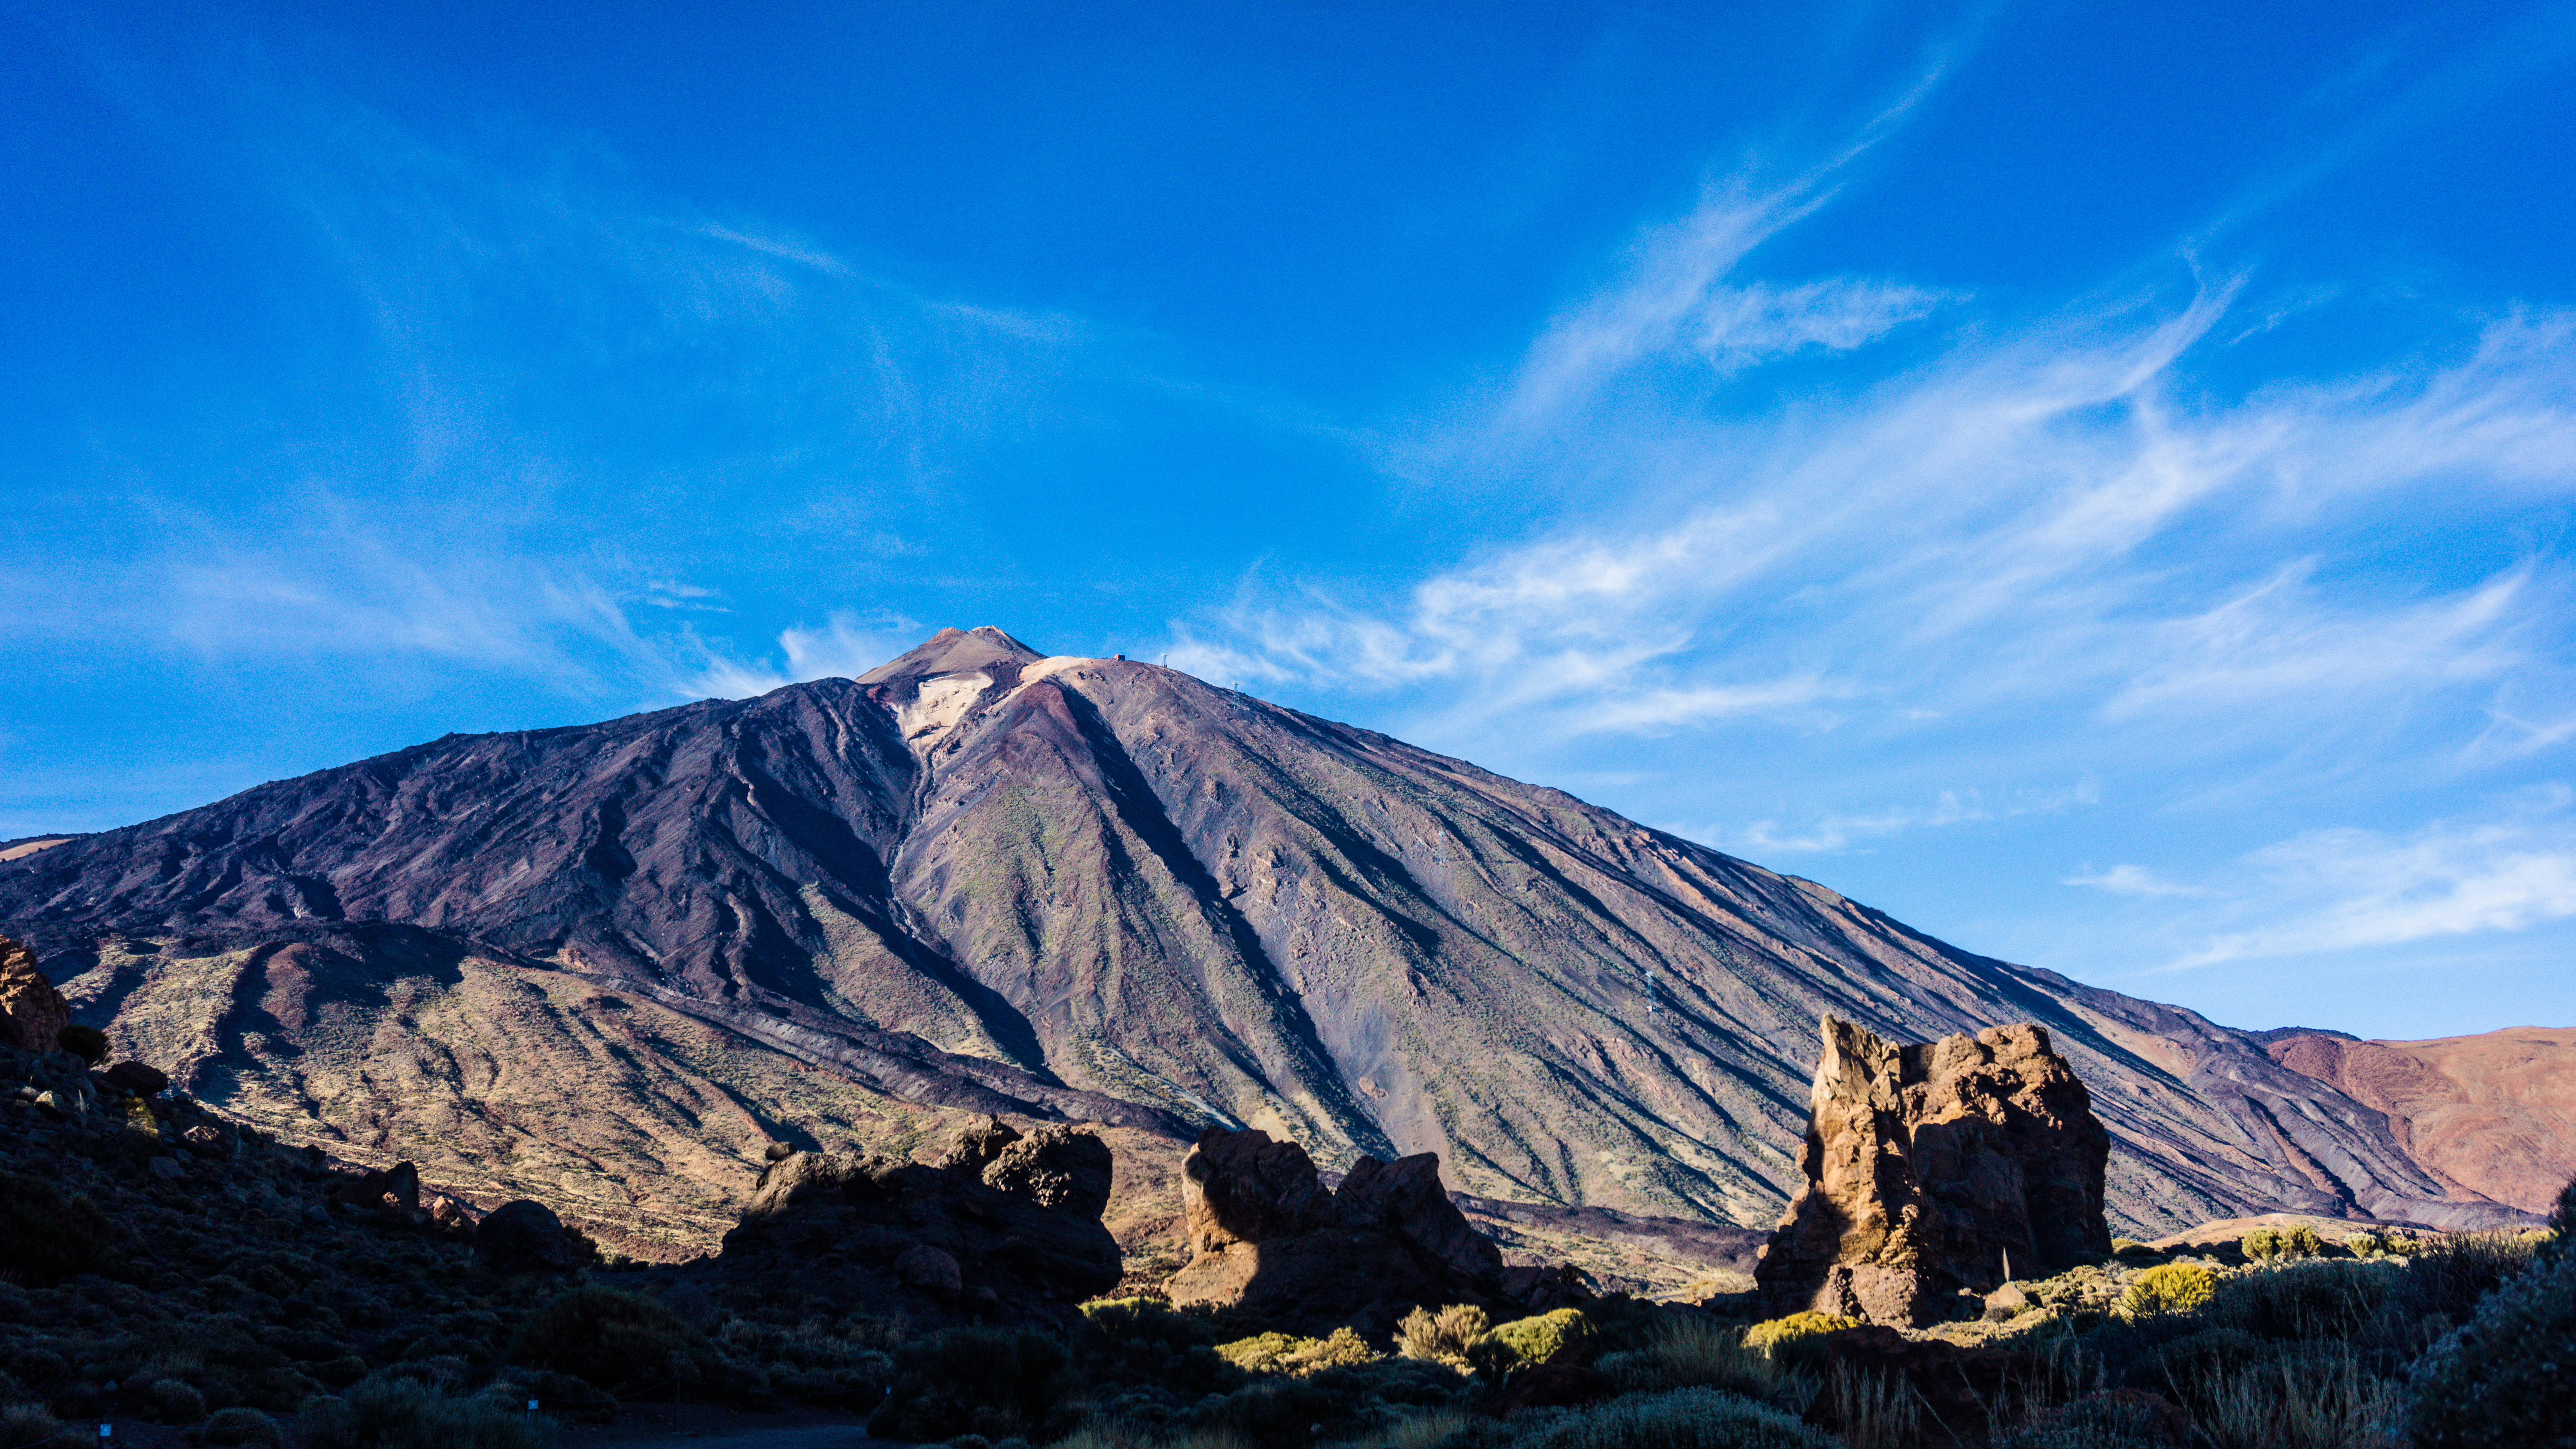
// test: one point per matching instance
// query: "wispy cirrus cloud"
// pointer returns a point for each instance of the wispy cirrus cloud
(2344, 889)
(847, 645)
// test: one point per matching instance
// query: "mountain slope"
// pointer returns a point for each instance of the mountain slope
(2493, 1114)
(979, 877)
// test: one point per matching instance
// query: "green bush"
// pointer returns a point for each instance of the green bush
(990, 1381)
(1693, 1353)
(1771, 1336)
(2179, 1367)
(2451, 1273)
(1286, 1353)
(28, 1426)
(1444, 1336)
(1682, 1419)
(2310, 1400)
(47, 1236)
(2508, 1376)
(2172, 1288)
(2260, 1246)
(85, 1042)
(176, 1401)
(1142, 1341)
(2328, 1300)
(405, 1414)
(239, 1428)
(623, 1342)
(1537, 1339)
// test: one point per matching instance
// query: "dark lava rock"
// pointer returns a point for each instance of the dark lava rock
(137, 1078)
(1003, 1224)
(1271, 1239)
(527, 1237)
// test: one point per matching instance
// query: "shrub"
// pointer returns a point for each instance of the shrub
(2300, 1402)
(1682, 1419)
(2260, 1246)
(177, 1401)
(1142, 1341)
(404, 1414)
(248, 1428)
(623, 1342)
(2172, 1288)
(28, 1426)
(1772, 1336)
(1871, 1410)
(2508, 1376)
(989, 1381)
(1285, 1353)
(1281, 1413)
(85, 1042)
(1693, 1353)
(1533, 1340)
(2306, 1302)
(2302, 1242)
(2179, 1367)
(1443, 1337)
(48, 1236)
(2449, 1274)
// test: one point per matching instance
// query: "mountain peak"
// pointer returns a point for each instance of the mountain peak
(953, 651)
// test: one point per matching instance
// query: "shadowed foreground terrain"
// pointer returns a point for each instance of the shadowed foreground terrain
(606, 961)
(162, 1266)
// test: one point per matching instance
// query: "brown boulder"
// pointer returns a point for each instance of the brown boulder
(1000, 1220)
(1241, 1187)
(1271, 1239)
(1937, 1167)
(32, 1012)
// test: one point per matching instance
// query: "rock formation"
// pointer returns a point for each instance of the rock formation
(1269, 1237)
(1003, 1223)
(31, 1010)
(525, 1236)
(1932, 1168)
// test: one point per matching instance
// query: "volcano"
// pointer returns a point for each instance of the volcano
(601, 959)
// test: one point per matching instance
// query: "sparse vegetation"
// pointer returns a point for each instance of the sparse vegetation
(1772, 1336)
(1444, 1336)
(85, 1042)
(47, 1236)
(623, 1343)
(2169, 1288)
(234, 1304)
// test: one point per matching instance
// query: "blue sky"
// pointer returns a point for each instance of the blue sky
(2094, 485)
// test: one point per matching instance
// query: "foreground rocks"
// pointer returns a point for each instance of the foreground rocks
(1004, 1225)
(32, 1012)
(1268, 1238)
(1936, 1168)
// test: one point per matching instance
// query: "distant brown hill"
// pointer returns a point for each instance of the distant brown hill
(612, 958)
(2492, 1114)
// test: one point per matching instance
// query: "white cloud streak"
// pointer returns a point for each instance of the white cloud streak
(2347, 889)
